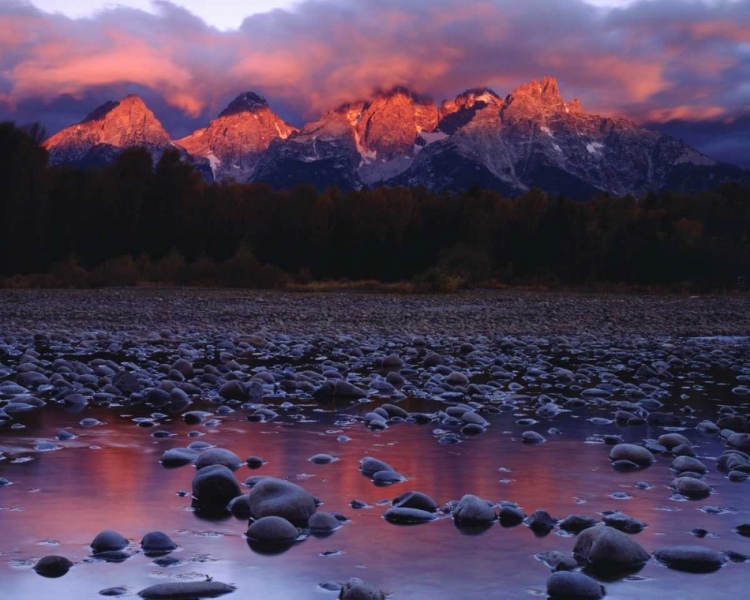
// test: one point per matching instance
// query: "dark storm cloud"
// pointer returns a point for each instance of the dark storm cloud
(652, 61)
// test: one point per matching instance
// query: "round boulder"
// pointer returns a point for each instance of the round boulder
(272, 530)
(218, 456)
(636, 454)
(108, 541)
(692, 488)
(214, 487)
(693, 559)
(408, 516)
(416, 500)
(280, 498)
(52, 566)
(357, 589)
(157, 542)
(322, 522)
(473, 511)
(605, 549)
(566, 585)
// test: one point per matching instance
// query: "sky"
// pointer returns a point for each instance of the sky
(677, 64)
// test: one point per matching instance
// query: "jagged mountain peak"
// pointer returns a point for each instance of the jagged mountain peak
(247, 102)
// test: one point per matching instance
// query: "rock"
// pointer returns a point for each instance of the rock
(532, 437)
(322, 522)
(416, 500)
(157, 542)
(624, 523)
(107, 541)
(740, 441)
(387, 478)
(540, 522)
(671, 440)
(114, 591)
(605, 549)
(322, 459)
(473, 511)
(557, 561)
(272, 530)
(254, 462)
(344, 389)
(511, 516)
(636, 454)
(565, 585)
(186, 590)
(625, 465)
(280, 498)
(233, 390)
(693, 559)
(178, 457)
(240, 507)
(214, 487)
(52, 566)
(576, 523)
(687, 463)
(692, 488)
(369, 466)
(408, 516)
(356, 589)
(218, 456)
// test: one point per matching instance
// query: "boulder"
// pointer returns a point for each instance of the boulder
(280, 498)
(178, 457)
(692, 488)
(605, 549)
(687, 463)
(323, 522)
(157, 542)
(565, 585)
(473, 511)
(218, 456)
(357, 589)
(52, 566)
(416, 500)
(636, 454)
(624, 523)
(693, 559)
(272, 530)
(214, 487)
(577, 523)
(408, 516)
(186, 590)
(369, 466)
(107, 541)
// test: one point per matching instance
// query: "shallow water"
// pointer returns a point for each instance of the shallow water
(110, 477)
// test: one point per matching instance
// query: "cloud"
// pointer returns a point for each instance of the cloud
(650, 60)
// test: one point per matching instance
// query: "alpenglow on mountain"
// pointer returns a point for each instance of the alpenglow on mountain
(530, 138)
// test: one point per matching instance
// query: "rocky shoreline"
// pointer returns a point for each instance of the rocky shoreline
(180, 311)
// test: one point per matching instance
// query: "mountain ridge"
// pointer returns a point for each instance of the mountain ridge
(530, 138)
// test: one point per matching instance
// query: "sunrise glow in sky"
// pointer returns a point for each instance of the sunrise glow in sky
(649, 60)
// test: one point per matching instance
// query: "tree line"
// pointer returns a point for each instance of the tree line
(161, 221)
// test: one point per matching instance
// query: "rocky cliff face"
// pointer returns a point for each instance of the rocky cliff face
(234, 142)
(534, 138)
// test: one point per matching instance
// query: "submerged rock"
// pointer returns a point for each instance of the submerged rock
(280, 498)
(357, 589)
(52, 566)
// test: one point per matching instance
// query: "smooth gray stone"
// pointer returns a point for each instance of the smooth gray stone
(557, 561)
(107, 541)
(218, 456)
(281, 498)
(472, 510)
(565, 585)
(369, 466)
(408, 516)
(157, 542)
(693, 559)
(415, 500)
(272, 530)
(687, 463)
(52, 566)
(178, 457)
(186, 590)
(606, 549)
(691, 487)
(323, 522)
(577, 523)
(214, 487)
(624, 523)
(357, 589)
(637, 454)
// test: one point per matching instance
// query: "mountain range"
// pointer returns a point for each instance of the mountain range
(530, 138)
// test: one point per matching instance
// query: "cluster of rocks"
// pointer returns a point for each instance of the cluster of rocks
(467, 384)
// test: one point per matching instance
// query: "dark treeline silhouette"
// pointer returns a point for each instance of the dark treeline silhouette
(136, 219)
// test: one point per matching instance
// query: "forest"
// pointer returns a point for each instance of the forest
(137, 221)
